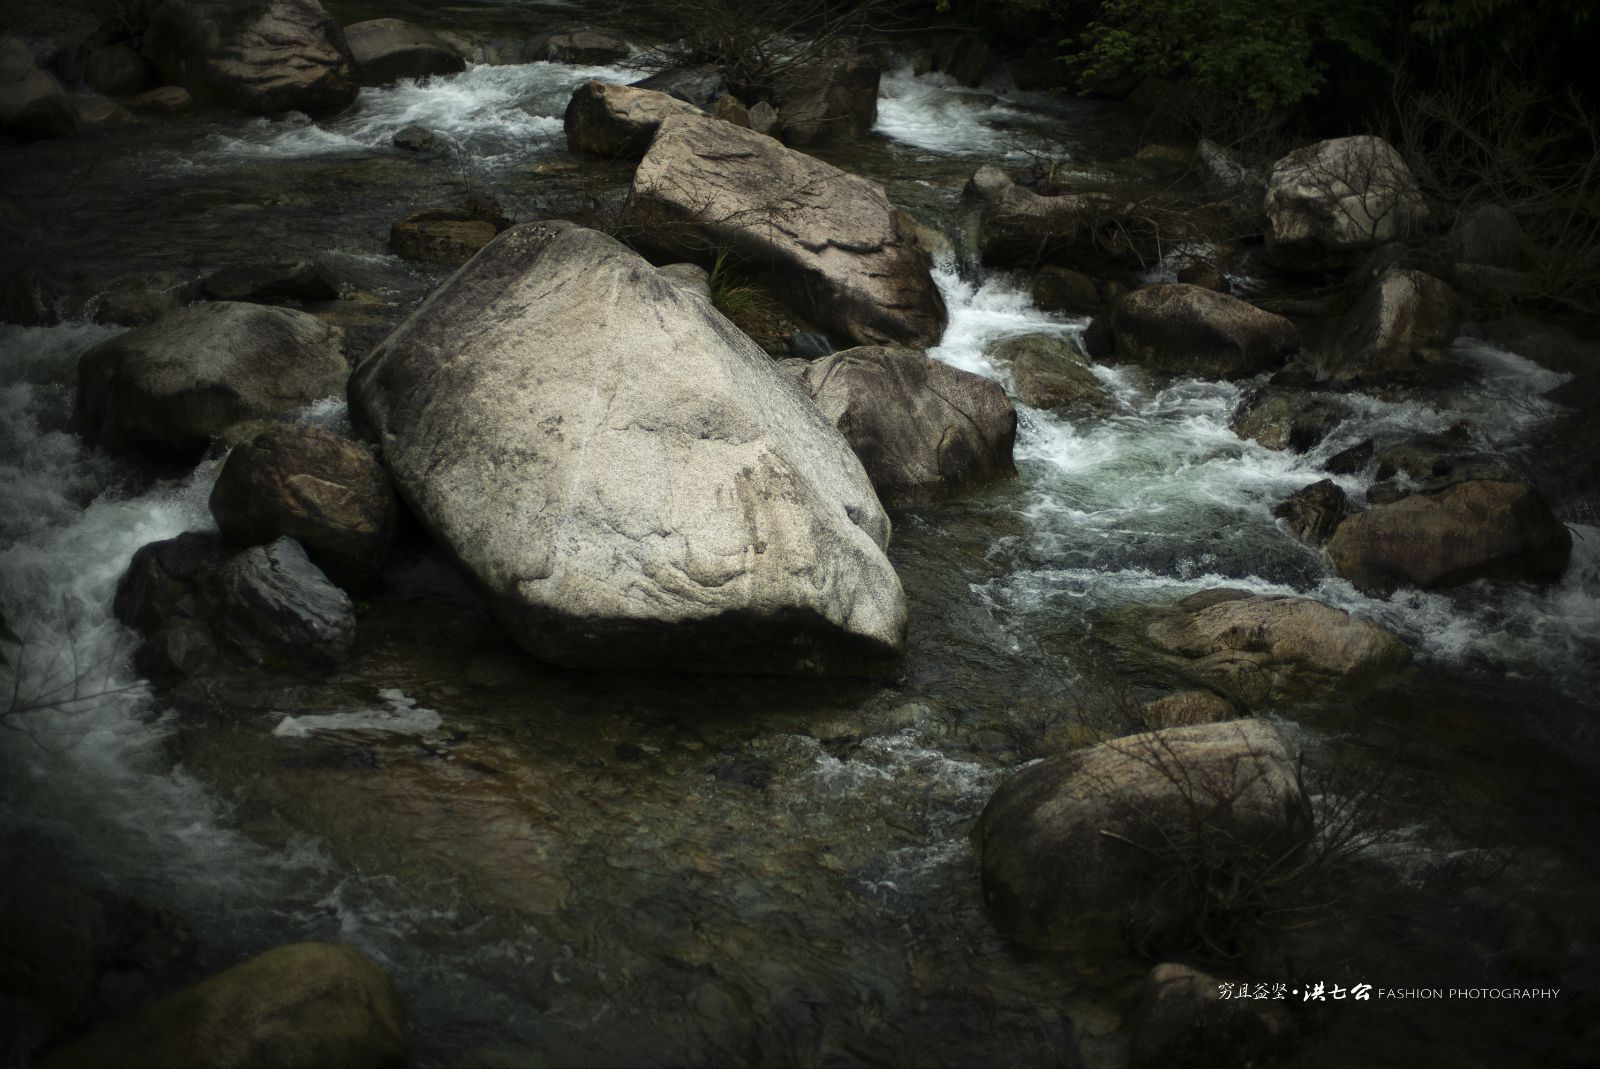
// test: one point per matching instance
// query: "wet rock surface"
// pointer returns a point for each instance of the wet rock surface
(308, 484)
(923, 430)
(1182, 329)
(1470, 530)
(1077, 851)
(1266, 648)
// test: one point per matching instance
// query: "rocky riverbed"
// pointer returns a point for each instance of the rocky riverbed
(637, 665)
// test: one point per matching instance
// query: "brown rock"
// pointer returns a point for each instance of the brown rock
(1266, 648)
(1314, 513)
(308, 1005)
(838, 249)
(1183, 1022)
(266, 57)
(1061, 289)
(1471, 530)
(163, 100)
(169, 387)
(387, 50)
(1283, 418)
(1404, 317)
(923, 429)
(440, 236)
(1186, 330)
(1049, 373)
(309, 484)
(617, 121)
(1105, 845)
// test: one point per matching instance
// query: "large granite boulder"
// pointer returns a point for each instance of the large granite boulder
(1264, 648)
(302, 1006)
(1404, 318)
(617, 122)
(1480, 528)
(1329, 203)
(627, 477)
(387, 50)
(309, 484)
(1133, 840)
(168, 388)
(33, 103)
(923, 429)
(842, 254)
(1186, 330)
(257, 56)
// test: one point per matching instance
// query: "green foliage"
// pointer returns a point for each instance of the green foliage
(748, 307)
(1509, 25)
(1264, 53)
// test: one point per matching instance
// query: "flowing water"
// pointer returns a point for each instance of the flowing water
(558, 868)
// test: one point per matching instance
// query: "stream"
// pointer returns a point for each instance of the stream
(563, 868)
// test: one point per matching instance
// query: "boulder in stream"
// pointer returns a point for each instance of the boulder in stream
(1264, 648)
(1185, 330)
(258, 56)
(1327, 204)
(309, 484)
(1107, 845)
(585, 47)
(387, 50)
(1404, 318)
(1285, 418)
(924, 430)
(700, 86)
(441, 235)
(1313, 513)
(168, 388)
(1050, 373)
(1480, 528)
(842, 254)
(302, 1006)
(628, 478)
(1092, 232)
(202, 606)
(617, 122)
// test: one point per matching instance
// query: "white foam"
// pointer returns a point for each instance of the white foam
(401, 715)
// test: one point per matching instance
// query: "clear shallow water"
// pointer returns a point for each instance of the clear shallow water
(559, 868)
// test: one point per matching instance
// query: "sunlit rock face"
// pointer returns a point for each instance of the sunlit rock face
(628, 478)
